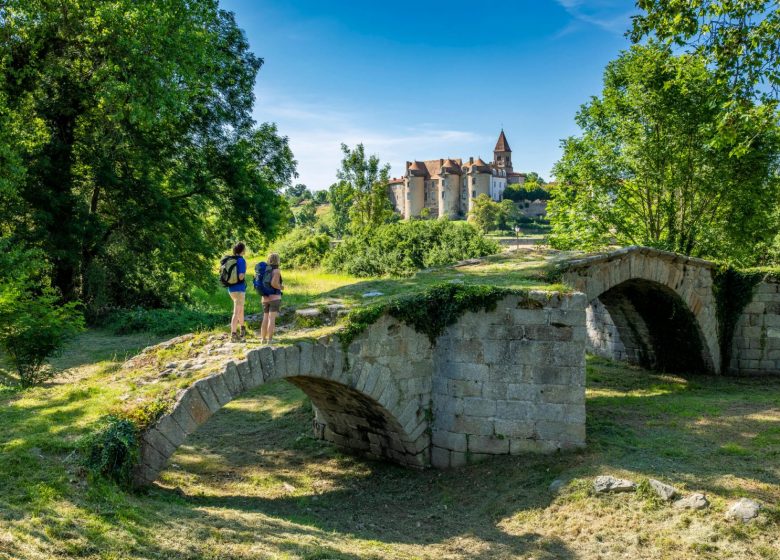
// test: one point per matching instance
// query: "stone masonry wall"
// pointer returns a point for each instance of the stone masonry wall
(617, 331)
(755, 348)
(510, 381)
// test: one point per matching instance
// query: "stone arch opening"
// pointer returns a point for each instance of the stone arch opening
(356, 422)
(646, 323)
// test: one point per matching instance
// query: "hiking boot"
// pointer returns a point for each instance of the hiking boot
(242, 336)
(234, 337)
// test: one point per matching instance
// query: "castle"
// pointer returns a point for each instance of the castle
(447, 187)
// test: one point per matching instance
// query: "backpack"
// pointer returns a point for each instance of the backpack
(262, 281)
(228, 271)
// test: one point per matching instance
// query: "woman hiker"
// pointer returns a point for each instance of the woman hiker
(272, 302)
(238, 295)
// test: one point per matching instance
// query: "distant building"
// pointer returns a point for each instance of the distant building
(448, 186)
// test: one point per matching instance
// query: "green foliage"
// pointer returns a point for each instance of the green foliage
(486, 214)
(112, 450)
(653, 167)
(364, 184)
(162, 322)
(527, 191)
(302, 248)
(133, 162)
(402, 248)
(34, 322)
(738, 38)
(733, 290)
(305, 214)
(428, 312)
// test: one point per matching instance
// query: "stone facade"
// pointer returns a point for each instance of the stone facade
(755, 347)
(504, 382)
(510, 381)
(447, 186)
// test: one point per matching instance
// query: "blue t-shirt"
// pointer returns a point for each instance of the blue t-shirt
(241, 269)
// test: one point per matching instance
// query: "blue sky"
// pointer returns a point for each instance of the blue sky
(428, 79)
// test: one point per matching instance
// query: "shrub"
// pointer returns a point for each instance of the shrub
(402, 248)
(302, 248)
(112, 450)
(162, 322)
(34, 323)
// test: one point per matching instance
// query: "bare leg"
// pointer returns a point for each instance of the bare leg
(271, 327)
(264, 326)
(234, 319)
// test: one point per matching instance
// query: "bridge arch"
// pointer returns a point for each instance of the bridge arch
(365, 400)
(650, 307)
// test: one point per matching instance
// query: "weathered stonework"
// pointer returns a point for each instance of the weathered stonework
(507, 381)
(616, 330)
(504, 382)
(755, 348)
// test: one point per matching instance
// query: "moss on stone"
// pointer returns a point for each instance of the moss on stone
(430, 311)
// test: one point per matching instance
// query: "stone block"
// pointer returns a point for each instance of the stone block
(267, 357)
(256, 367)
(514, 410)
(182, 417)
(171, 430)
(513, 428)
(245, 375)
(219, 388)
(204, 387)
(195, 405)
(440, 458)
(471, 426)
(292, 355)
(490, 445)
(458, 459)
(522, 392)
(306, 357)
(449, 440)
(452, 370)
(318, 360)
(153, 458)
(154, 438)
(563, 394)
(232, 380)
(479, 407)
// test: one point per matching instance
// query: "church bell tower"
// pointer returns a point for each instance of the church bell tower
(502, 154)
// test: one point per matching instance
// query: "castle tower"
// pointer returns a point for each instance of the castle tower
(502, 154)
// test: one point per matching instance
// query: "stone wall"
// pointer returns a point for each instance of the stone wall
(617, 331)
(504, 382)
(510, 381)
(755, 348)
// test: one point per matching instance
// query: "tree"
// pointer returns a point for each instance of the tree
(367, 180)
(297, 193)
(653, 167)
(508, 215)
(141, 160)
(485, 213)
(34, 323)
(305, 215)
(739, 38)
(341, 196)
(320, 197)
(533, 178)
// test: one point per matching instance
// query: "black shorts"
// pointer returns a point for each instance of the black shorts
(272, 306)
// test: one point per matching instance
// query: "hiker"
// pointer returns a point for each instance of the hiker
(232, 273)
(271, 290)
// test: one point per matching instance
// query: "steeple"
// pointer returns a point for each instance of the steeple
(502, 154)
(502, 145)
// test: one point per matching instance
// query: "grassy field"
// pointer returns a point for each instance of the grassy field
(252, 483)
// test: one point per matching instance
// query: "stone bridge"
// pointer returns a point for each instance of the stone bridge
(506, 381)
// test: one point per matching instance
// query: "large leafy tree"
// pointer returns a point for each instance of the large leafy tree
(363, 182)
(739, 38)
(654, 167)
(142, 159)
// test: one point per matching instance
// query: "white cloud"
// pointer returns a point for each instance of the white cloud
(317, 131)
(609, 15)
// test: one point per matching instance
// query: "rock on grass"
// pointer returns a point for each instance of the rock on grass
(605, 484)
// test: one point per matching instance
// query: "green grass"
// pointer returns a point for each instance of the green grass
(252, 483)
